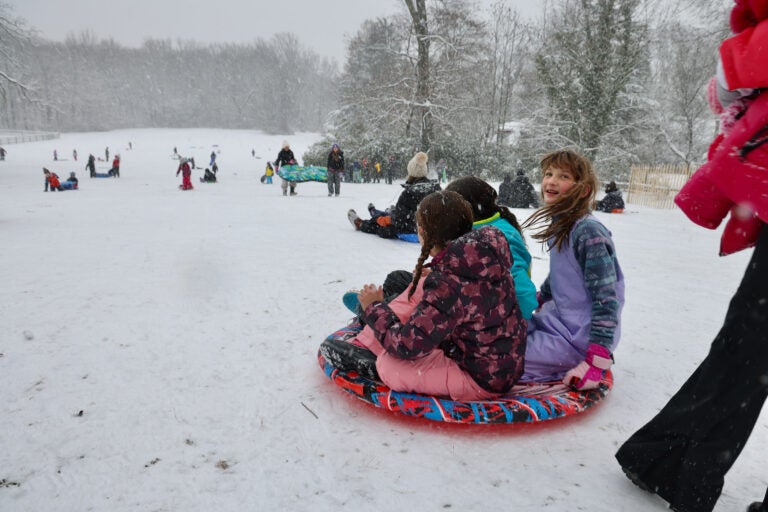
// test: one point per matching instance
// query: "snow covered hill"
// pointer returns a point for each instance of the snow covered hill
(158, 347)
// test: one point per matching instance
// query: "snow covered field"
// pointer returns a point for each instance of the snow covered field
(158, 348)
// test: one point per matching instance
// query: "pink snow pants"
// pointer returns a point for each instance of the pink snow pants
(432, 374)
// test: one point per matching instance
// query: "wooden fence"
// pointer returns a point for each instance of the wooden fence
(657, 185)
(17, 136)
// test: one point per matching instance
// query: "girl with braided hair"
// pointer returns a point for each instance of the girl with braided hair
(465, 336)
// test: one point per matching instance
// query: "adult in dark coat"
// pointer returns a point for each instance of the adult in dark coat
(400, 218)
(286, 157)
(335, 170)
(612, 202)
(519, 193)
(90, 166)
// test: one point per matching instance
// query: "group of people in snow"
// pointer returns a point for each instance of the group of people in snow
(427, 337)
(53, 183)
(468, 325)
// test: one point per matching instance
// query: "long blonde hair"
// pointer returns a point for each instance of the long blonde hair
(442, 216)
(573, 205)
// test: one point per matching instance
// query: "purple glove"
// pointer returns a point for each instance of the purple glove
(587, 374)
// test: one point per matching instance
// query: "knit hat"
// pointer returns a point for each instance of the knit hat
(285, 144)
(417, 167)
(747, 13)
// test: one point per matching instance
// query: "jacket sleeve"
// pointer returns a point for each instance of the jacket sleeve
(432, 322)
(596, 256)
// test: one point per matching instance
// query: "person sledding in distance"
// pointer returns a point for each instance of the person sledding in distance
(400, 218)
(573, 334)
(286, 157)
(208, 176)
(465, 336)
(186, 173)
(612, 202)
(72, 182)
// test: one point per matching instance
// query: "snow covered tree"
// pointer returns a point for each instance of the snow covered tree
(591, 52)
(16, 90)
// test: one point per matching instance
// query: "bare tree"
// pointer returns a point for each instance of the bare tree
(14, 87)
(422, 100)
(509, 39)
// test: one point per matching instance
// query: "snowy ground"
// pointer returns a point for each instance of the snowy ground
(158, 348)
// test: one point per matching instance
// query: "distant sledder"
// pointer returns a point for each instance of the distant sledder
(53, 183)
(209, 175)
(186, 174)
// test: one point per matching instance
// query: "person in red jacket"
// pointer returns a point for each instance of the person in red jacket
(51, 181)
(685, 451)
(115, 170)
(186, 175)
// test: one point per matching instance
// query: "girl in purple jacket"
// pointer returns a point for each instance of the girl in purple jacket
(574, 332)
(466, 337)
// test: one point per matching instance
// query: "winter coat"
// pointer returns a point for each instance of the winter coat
(733, 177)
(53, 180)
(404, 212)
(285, 157)
(336, 161)
(582, 301)
(611, 201)
(184, 169)
(525, 290)
(518, 194)
(469, 310)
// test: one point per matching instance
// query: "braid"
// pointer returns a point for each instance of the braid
(441, 218)
(425, 249)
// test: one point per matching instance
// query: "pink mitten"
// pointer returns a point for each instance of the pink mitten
(587, 374)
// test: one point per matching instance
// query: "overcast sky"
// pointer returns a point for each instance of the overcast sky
(321, 25)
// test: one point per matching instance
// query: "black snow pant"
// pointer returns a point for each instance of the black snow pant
(370, 226)
(684, 452)
(334, 182)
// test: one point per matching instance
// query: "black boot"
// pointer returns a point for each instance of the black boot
(348, 357)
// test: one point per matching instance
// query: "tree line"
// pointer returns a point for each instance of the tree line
(487, 91)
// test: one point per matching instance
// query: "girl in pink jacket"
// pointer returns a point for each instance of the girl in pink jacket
(465, 335)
